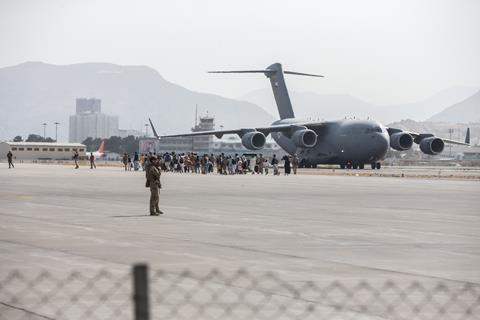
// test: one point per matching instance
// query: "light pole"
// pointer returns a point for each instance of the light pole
(44, 130)
(146, 129)
(451, 130)
(56, 130)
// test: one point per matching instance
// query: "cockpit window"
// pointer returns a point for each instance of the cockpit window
(373, 129)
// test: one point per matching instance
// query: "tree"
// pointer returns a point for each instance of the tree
(114, 144)
(92, 144)
(34, 138)
(38, 138)
(18, 139)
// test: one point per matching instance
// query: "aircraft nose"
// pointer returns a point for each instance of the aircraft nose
(381, 144)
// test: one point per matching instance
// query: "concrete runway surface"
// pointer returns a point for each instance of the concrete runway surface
(304, 227)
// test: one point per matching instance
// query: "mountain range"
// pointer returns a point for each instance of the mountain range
(32, 93)
(467, 110)
(309, 105)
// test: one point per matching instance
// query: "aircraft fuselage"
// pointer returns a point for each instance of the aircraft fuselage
(340, 142)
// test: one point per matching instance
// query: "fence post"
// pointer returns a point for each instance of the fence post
(140, 294)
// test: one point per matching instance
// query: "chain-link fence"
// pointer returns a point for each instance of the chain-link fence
(226, 295)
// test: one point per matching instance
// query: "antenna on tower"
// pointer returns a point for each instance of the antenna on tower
(196, 114)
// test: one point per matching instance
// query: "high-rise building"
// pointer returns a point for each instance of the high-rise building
(89, 121)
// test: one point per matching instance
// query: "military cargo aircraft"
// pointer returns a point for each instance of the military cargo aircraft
(347, 143)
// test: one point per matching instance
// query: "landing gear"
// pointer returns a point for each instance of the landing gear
(376, 165)
(349, 165)
(355, 166)
(361, 166)
(342, 166)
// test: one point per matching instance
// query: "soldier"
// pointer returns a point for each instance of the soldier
(295, 162)
(10, 161)
(153, 181)
(125, 161)
(92, 161)
(75, 158)
(260, 163)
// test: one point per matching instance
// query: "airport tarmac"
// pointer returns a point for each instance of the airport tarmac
(304, 227)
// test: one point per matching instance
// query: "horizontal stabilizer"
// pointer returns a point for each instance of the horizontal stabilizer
(275, 74)
(243, 71)
(303, 74)
(268, 71)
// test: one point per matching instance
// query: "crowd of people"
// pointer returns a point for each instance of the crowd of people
(210, 163)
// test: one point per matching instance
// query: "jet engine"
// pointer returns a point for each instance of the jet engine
(401, 141)
(432, 145)
(304, 138)
(254, 140)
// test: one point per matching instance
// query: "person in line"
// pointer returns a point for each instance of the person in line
(275, 165)
(260, 163)
(295, 163)
(125, 161)
(142, 161)
(130, 163)
(153, 182)
(10, 159)
(287, 168)
(92, 161)
(136, 161)
(75, 158)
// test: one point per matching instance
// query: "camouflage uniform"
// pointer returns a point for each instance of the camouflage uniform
(153, 176)
(295, 162)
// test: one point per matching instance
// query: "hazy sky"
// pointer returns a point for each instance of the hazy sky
(378, 50)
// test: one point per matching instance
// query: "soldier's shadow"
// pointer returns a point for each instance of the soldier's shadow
(133, 216)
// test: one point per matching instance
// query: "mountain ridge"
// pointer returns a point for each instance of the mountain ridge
(337, 106)
(35, 92)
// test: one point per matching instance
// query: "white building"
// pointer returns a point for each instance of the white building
(41, 150)
(90, 122)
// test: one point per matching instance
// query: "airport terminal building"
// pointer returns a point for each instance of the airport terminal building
(41, 150)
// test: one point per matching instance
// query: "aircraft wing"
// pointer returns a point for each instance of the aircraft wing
(242, 131)
(418, 136)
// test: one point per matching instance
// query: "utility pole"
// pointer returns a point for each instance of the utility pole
(450, 131)
(56, 130)
(44, 130)
(146, 129)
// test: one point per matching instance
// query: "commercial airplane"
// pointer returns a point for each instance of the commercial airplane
(100, 153)
(348, 143)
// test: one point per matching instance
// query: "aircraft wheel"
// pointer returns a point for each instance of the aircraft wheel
(314, 165)
(342, 166)
(373, 165)
(302, 163)
(355, 166)
(378, 165)
(361, 166)
(349, 165)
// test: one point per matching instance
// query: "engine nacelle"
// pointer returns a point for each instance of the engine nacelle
(254, 140)
(432, 145)
(304, 138)
(401, 141)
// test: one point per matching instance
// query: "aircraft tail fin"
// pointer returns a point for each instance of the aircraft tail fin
(467, 136)
(275, 73)
(153, 128)
(101, 149)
